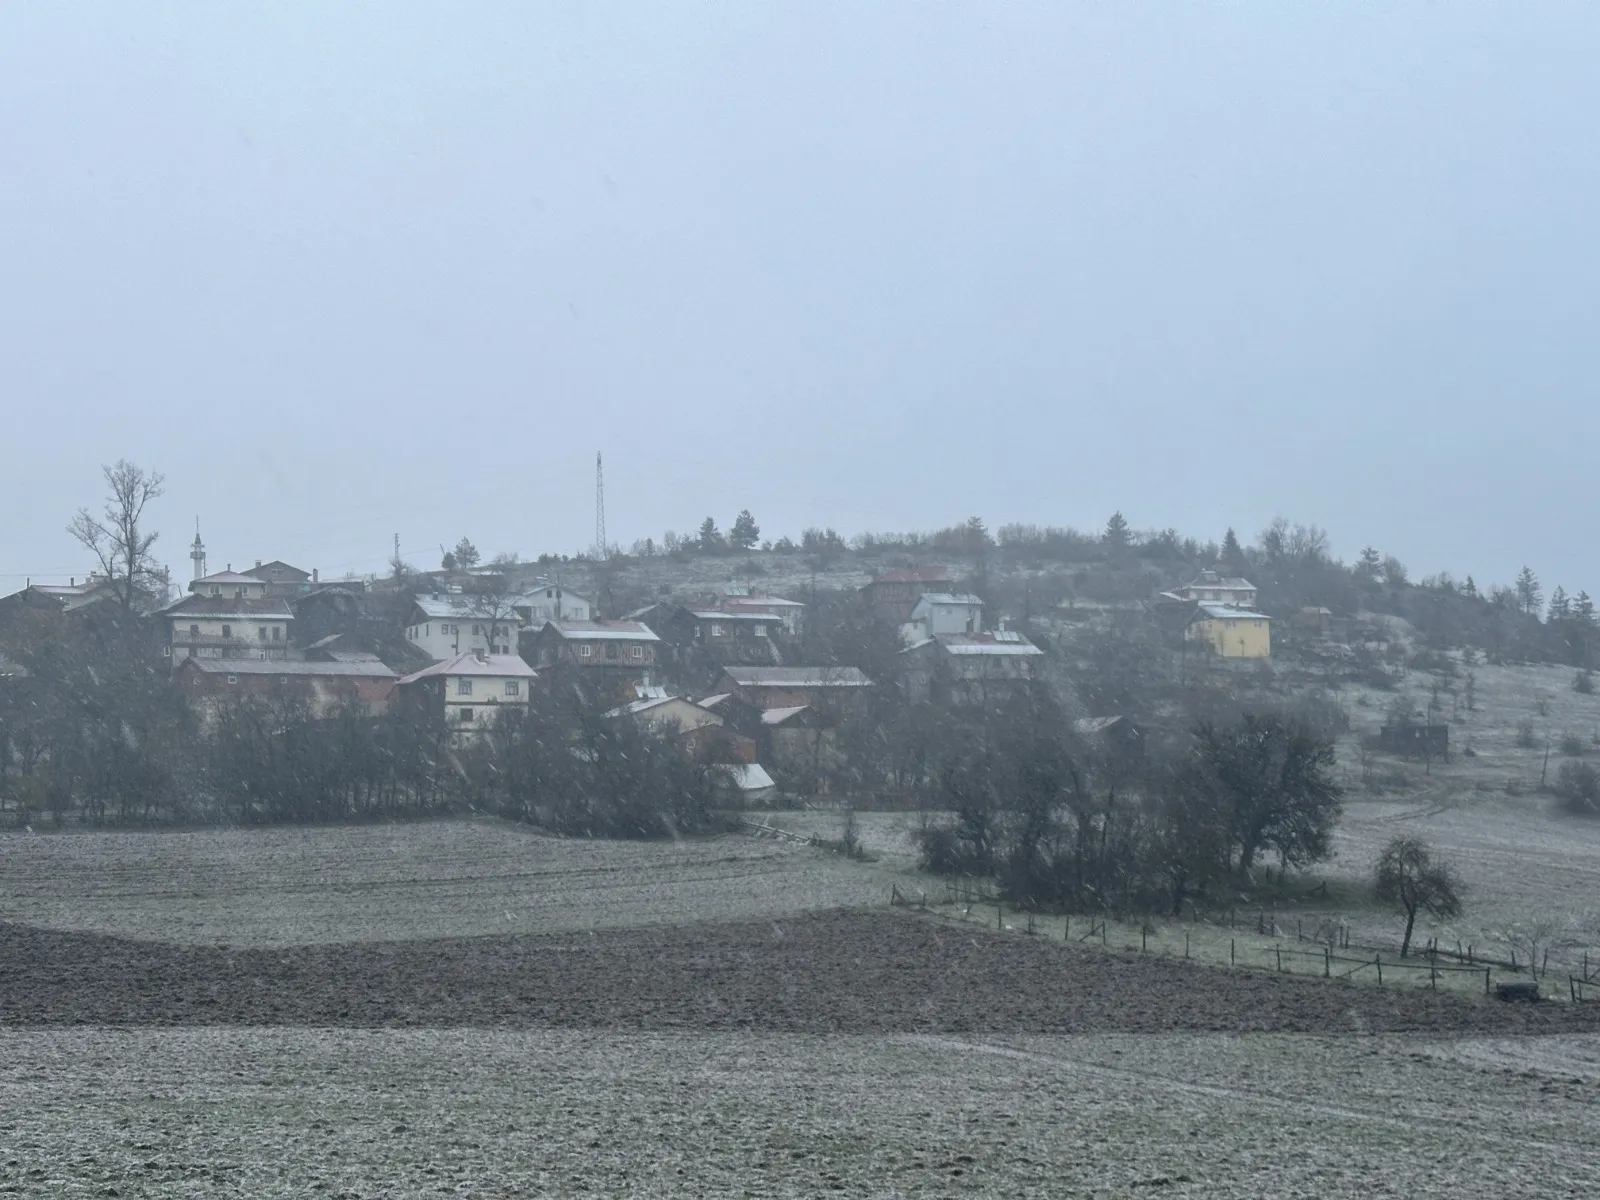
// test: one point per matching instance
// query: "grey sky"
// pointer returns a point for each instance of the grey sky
(344, 270)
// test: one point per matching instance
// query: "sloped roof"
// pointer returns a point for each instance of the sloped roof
(372, 669)
(503, 666)
(714, 700)
(280, 566)
(797, 676)
(732, 614)
(1001, 643)
(777, 716)
(749, 777)
(629, 631)
(1225, 612)
(253, 607)
(963, 600)
(467, 605)
(237, 578)
(1229, 584)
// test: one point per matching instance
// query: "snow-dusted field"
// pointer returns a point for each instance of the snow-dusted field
(297, 886)
(267, 1113)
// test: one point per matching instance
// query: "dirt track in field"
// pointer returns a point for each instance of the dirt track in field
(846, 972)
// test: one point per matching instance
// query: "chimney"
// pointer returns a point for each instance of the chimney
(258, 562)
(313, 575)
(72, 580)
(482, 655)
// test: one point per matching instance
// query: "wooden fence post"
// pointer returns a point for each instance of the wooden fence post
(1327, 963)
(1186, 943)
(1377, 961)
(1230, 952)
(1486, 981)
(999, 916)
(1143, 937)
(1279, 950)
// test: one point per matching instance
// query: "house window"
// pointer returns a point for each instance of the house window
(466, 714)
(233, 679)
(262, 630)
(277, 633)
(638, 652)
(585, 650)
(513, 688)
(166, 652)
(194, 631)
(227, 631)
(216, 589)
(716, 630)
(761, 631)
(463, 687)
(475, 631)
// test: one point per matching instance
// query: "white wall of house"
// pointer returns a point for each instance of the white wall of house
(936, 617)
(471, 700)
(545, 607)
(230, 636)
(443, 638)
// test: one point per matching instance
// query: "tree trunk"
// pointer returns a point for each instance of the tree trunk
(1411, 920)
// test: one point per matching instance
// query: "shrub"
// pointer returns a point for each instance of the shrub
(1578, 785)
(1526, 738)
(1583, 683)
(1572, 745)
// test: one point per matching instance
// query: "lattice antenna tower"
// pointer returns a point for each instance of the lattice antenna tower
(599, 507)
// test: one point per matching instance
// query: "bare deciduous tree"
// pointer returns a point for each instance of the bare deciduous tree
(1408, 875)
(118, 538)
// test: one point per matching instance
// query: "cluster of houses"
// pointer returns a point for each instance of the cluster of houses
(475, 645)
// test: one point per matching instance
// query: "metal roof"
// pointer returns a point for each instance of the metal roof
(467, 606)
(797, 676)
(620, 631)
(777, 716)
(255, 666)
(749, 777)
(997, 643)
(717, 614)
(499, 666)
(947, 598)
(235, 577)
(251, 608)
(1225, 612)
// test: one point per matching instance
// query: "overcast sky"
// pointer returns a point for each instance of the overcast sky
(347, 270)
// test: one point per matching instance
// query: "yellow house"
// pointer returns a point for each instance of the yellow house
(1231, 632)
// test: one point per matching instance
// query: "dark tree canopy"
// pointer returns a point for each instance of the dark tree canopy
(1408, 876)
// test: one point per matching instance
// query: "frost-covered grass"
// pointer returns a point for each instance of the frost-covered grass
(285, 886)
(268, 1113)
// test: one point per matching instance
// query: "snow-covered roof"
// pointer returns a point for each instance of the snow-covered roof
(253, 608)
(499, 666)
(237, 578)
(797, 676)
(1001, 643)
(366, 669)
(749, 777)
(466, 606)
(587, 631)
(963, 600)
(1226, 612)
(714, 700)
(777, 716)
(718, 614)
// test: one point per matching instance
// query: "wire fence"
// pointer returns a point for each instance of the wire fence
(1325, 948)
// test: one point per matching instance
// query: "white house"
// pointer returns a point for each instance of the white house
(228, 615)
(552, 602)
(469, 690)
(941, 612)
(444, 626)
(1212, 588)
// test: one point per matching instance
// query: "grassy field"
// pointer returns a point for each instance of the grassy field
(269, 1113)
(299, 886)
